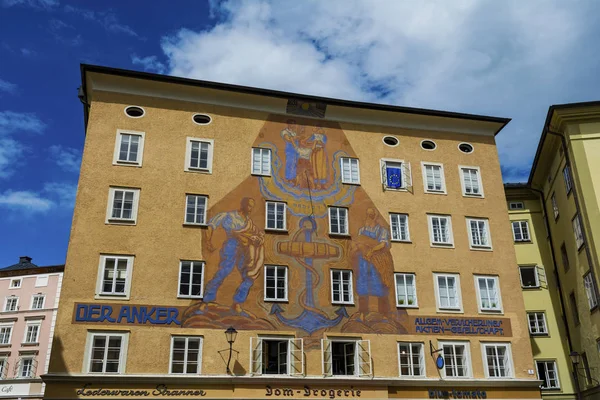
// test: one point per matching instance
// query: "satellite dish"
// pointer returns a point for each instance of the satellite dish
(439, 362)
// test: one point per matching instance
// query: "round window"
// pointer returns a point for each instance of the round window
(465, 148)
(202, 119)
(391, 141)
(134, 111)
(428, 145)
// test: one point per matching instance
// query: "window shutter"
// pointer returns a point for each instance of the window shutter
(541, 274)
(296, 357)
(383, 175)
(256, 356)
(407, 174)
(327, 357)
(365, 367)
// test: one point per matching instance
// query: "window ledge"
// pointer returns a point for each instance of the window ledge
(112, 296)
(33, 344)
(523, 241)
(198, 171)
(539, 335)
(442, 245)
(260, 175)
(476, 196)
(450, 310)
(113, 221)
(482, 248)
(400, 241)
(594, 309)
(190, 297)
(127, 163)
(407, 306)
(337, 303)
(351, 183)
(530, 287)
(275, 230)
(581, 247)
(276, 300)
(191, 225)
(491, 312)
(344, 235)
(435, 192)
(386, 188)
(4, 346)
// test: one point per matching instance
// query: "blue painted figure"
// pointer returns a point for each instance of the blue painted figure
(289, 134)
(243, 249)
(318, 157)
(371, 256)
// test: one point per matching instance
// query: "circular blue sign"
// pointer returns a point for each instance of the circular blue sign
(439, 362)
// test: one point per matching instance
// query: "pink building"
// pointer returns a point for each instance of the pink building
(29, 297)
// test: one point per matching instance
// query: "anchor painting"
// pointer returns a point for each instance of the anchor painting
(306, 175)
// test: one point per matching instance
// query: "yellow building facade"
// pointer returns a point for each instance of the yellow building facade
(232, 242)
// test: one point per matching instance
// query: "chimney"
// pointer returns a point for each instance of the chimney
(24, 259)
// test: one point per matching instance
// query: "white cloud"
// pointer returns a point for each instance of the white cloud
(7, 86)
(25, 201)
(11, 122)
(69, 159)
(107, 19)
(471, 56)
(62, 192)
(46, 4)
(149, 63)
(11, 152)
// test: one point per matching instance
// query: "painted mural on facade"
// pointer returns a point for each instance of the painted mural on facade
(306, 171)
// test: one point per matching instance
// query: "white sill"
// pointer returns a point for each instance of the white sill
(201, 170)
(451, 310)
(339, 303)
(407, 305)
(481, 248)
(257, 174)
(128, 163)
(276, 300)
(435, 192)
(443, 245)
(401, 189)
(190, 297)
(340, 234)
(530, 287)
(111, 296)
(120, 221)
(493, 311)
(351, 183)
(475, 196)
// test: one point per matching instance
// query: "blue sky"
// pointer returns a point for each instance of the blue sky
(511, 59)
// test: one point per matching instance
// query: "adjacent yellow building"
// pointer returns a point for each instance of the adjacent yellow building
(233, 242)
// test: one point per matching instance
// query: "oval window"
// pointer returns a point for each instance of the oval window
(202, 119)
(428, 145)
(390, 141)
(134, 111)
(465, 148)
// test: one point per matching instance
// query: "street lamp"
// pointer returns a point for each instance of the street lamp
(575, 360)
(230, 334)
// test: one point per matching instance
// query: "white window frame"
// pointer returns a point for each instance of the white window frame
(536, 323)
(554, 205)
(486, 223)
(567, 178)
(346, 225)
(261, 172)
(188, 155)
(590, 290)
(448, 244)
(200, 345)
(6, 300)
(185, 213)
(193, 266)
(520, 222)
(537, 277)
(578, 231)
(499, 306)
(399, 217)
(275, 204)
(351, 286)
(410, 356)
(134, 207)
(99, 281)
(363, 366)
(461, 169)
(516, 205)
(405, 170)
(20, 369)
(468, 363)
(555, 368)
(403, 275)
(509, 360)
(11, 327)
(140, 153)
(17, 280)
(28, 325)
(459, 307)
(352, 180)
(425, 164)
(87, 360)
(294, 356)
(277, 269)
(33, 298)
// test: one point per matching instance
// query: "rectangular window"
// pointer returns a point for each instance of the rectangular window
(5, 333)
(586, 368)
(115, 275)
(471, 181)
(516, 205)
(276, 356)
(129, 148)
(3, 367)
(488, 292)
(440, 230)
(590, 290)
(276, 283)
(567, 178)
(32, 333)
(548, 374)
(564, 256)
(537, 323)
(577, 231)
(41, 281)
(574, 310)
(37, 302)
(406, 291)
(276, 215)
(341, 287)
(122, 205)
(350, 170)
(529, 277)
(107, 352)
(15, 283)
(521, 231)
(347, 357)
(433, 178)
(457, 360)
(411, 359)
(479, 233)
(195, 209)
(447, 288)
(26, 367)
(554, 205)
(199, 155)
(338, 220)
(261, 161)
(191, 279)
(498, 360)
(399, 227)
(186, 355)
(11, 304)
(395, 174)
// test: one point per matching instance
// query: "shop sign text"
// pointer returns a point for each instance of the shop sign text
(307, 391)
(457, 394)
(126, 314)
(462, 326)
(160, 390)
